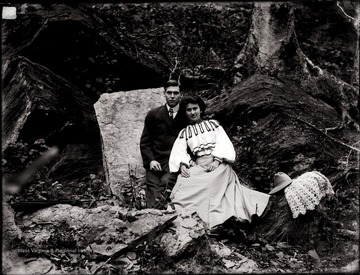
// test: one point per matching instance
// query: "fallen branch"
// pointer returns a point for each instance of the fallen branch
(348, 16)
(143, 238)
(30, 206)
(92, 202)
(51, 267)
(100, 266)
(330, 137)
(348, 157)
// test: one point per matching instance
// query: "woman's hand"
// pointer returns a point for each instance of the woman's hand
(215, 164)
(184, 171)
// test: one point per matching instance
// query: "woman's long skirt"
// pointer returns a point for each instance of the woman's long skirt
(216, 195)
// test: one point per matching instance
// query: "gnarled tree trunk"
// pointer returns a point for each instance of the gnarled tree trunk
(278, 106)
(272, 49)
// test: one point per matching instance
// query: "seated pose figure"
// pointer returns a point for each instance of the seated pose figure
(207, 183)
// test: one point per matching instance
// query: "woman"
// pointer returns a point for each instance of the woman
(207, 184)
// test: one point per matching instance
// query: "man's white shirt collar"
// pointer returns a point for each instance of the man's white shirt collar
(175, 109)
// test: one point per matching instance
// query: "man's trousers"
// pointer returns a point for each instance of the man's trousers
(157, 184)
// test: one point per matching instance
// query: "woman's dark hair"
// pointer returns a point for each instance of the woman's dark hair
(195, 99)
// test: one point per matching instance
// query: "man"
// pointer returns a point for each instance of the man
(161, 128)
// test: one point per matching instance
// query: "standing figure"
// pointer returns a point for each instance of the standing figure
(161, 127)
(210, 186)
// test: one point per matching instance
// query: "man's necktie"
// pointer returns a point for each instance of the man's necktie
(171, 113)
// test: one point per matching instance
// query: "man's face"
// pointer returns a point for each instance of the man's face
(172, 95)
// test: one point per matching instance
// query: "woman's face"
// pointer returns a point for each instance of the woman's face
(193, 112)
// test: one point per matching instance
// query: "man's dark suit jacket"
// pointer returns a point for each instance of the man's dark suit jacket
(159, 134)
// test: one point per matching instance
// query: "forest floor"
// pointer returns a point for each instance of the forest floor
(331, 249)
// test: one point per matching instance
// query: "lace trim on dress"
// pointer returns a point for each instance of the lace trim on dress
(203, 147)
(214, 124)
(194, 129)
(201, 128)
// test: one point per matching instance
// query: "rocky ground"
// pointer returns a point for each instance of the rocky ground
(84, 238)
(58, 59)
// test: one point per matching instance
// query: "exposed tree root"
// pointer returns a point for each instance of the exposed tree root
(325, 134)
(277, 53)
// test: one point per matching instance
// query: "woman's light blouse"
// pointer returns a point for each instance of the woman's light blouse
(203, 138)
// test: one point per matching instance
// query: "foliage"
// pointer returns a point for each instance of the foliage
(21, 154)
(133, 191)
(210, 35)
(326, 37)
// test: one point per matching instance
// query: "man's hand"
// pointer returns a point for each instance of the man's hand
(184, 171)
(155, 166)
(215, 164)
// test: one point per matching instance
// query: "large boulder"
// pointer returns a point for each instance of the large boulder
(121, 120)
(105, 230)
(10, 230)
(184, 236)
(13, 264)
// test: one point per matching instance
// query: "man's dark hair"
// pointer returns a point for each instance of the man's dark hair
(194, 100)
(171, 82)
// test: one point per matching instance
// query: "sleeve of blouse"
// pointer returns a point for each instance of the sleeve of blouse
(179, 154)
(224, 149)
